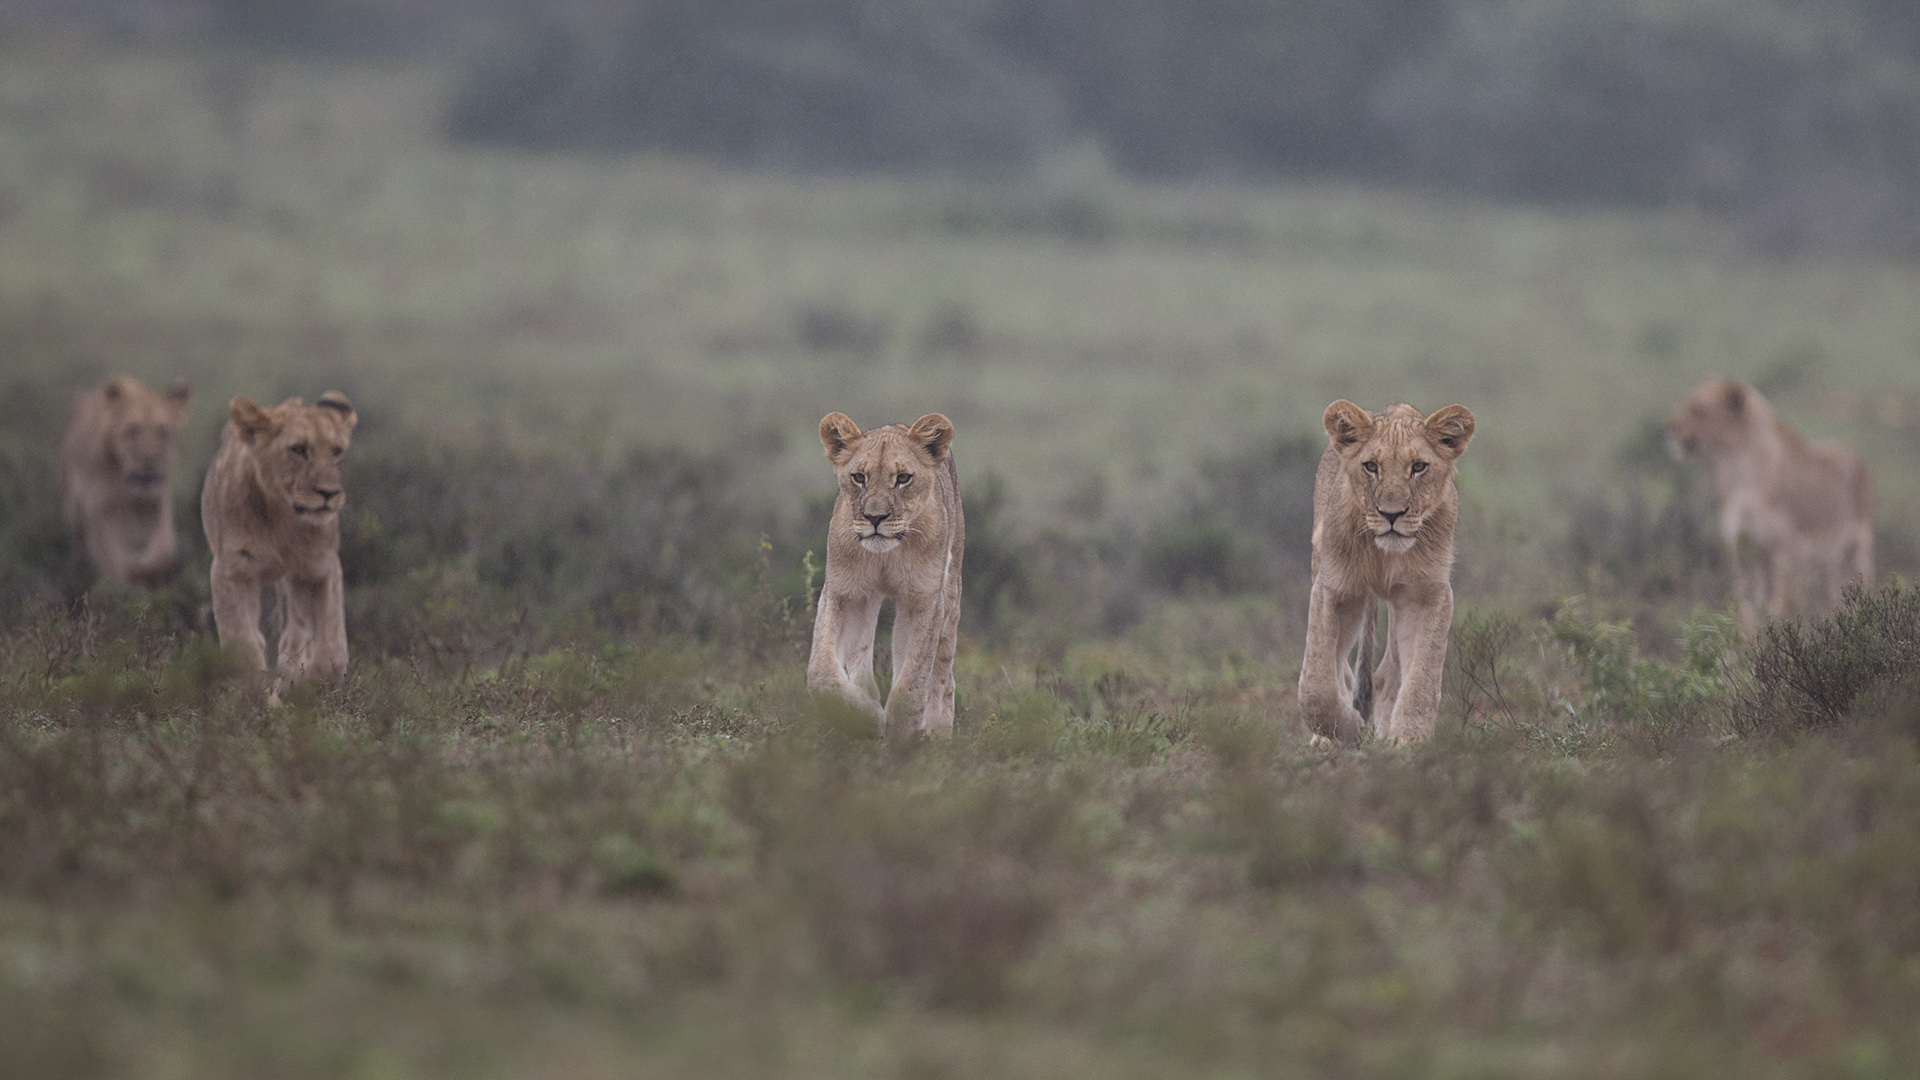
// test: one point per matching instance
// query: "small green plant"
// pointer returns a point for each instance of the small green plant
(1623, 686)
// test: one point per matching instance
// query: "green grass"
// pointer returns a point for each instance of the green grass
(636, 859)
(574, 816)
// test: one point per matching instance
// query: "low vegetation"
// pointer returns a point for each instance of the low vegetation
(581, 861)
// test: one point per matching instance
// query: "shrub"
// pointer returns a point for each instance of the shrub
(1207, 552)
(1811, 674)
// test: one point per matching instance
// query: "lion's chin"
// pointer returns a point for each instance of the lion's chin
(1393, 543)
(879, 545)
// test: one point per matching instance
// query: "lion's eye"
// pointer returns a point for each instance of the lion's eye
(1372, 467)
(903, 479)
(299, 451)
(860, 479)
(1419, 467)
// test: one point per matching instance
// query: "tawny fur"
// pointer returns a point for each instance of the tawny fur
(1797, 518)
(897, 533)
(271, 509)
(116, 471)
(1384, 508)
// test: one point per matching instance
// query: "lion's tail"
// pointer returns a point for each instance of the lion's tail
(1363, 677)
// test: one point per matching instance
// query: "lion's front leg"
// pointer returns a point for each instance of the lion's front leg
(236, 613)
(1418, 634)
(161, 556)
(913, 703)
(1752, 576)
(842, 658)
(314, 643)
(1326, 691)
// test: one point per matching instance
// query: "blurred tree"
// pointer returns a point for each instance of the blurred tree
(1801, 116)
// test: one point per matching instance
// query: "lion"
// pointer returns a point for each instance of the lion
(897, 533)
(271, 510)
(1797, 517)
(116, 470)
(1384, 508)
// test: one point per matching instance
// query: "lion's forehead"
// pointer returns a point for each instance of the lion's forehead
(883, 450)
(145, 407)
(309, 424)
(1398, 437)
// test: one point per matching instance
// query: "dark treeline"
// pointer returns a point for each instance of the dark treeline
(1801, 118)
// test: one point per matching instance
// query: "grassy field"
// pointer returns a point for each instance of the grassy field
(574, 815)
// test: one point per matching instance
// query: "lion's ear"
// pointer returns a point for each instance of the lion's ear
(1450, 429)
(935, 432)
(1346, 423)
(837, 433)
(249, 419)
(337, 401)
(1734, 393)
(112, 389)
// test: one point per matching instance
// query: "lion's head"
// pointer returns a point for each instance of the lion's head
(140, 428)
(1397, 466)
(886, 475)
(296, 450)
(1715, 418)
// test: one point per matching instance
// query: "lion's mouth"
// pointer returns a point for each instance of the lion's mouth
(145, 479)
(324, 510)
(1395, 539)
(879, 543)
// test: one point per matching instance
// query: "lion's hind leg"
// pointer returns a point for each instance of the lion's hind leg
(940, 705)
(1361, 673)
(1386, 677)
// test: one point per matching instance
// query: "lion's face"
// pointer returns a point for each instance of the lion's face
(1397, 465)
(1714, 418)
(886, 475)
(297, 449)
(141, 426)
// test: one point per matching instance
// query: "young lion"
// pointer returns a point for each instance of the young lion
(897, 532)
(1797, 518)
(271, 508)
(1384, 507)
(116, 470)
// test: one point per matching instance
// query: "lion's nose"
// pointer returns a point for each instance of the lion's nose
(876, 519)
(326, 493)
(1392, 516)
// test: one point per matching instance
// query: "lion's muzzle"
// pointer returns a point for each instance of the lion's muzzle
(1396, 532)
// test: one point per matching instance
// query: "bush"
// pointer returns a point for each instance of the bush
(1811, 674)
(1206, 552)
(1247, 524)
